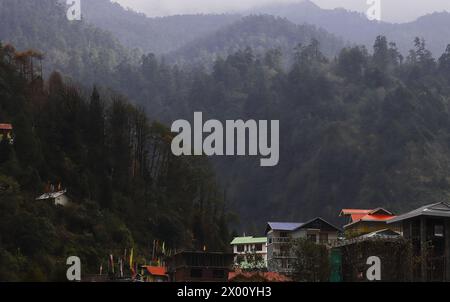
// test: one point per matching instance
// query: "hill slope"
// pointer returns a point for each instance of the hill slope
(126, 188)
(74, 48)
(260, 33)
(355, 27)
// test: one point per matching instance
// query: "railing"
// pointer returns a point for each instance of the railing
(285, 240)
(279, 240)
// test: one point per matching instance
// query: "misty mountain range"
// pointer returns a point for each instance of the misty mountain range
(168, 34)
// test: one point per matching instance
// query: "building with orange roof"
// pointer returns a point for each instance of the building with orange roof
(362, 221)
(154, 273)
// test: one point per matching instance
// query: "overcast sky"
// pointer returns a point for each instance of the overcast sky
(392, 10)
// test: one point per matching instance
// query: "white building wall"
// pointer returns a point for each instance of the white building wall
(62, 200)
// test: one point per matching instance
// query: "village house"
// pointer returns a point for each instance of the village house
(281, 234)
(249, 247)
(428, 230)
(361, 222)
(57, 198)
(6, 132)
(196, 266)
(154, 273)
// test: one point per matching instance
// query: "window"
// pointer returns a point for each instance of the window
(240, 248)
(258, 247)
(312, 237)
(438, 230)
(196, 273)
(283, 234)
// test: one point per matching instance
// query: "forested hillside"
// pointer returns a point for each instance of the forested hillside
(260, 33)
(368, 127)
(84, 52)
(125, 186)
(360, 131)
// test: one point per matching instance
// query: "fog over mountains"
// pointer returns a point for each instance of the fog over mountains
(163, 35)
(395, 11)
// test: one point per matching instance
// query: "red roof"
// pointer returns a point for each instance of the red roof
(156, 270)
(6, 127)
(357, 215)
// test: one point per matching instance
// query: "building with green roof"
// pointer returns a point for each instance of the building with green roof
(250, 252)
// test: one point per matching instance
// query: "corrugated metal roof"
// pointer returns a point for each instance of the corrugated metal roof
(440, 209)
(385, 233)
(51, 195)
(248, 240)
(292, 226)
(284, 226)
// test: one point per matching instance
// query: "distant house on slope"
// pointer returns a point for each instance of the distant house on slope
(6, 132)
(281, 234)
(57, 198)
(362, 222)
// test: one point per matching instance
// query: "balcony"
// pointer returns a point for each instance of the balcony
(278, 240)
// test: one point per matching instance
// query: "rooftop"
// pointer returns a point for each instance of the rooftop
(375, 215)
(156, 270)
(385, 233)
(284, 226)
(6, 127)
(51, 195)
(248, 240)
(439, 209)
(292, 226)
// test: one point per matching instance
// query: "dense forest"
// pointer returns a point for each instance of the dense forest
(360, 127)
(365, 129)
(127, 189)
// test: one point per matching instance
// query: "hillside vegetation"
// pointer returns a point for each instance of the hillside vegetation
(127, 190)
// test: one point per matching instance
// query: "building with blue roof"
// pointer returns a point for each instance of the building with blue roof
(281, 234)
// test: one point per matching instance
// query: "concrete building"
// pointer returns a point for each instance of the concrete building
(249, 247)
(281, 234)
(428, 230)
